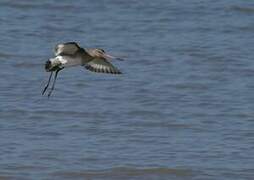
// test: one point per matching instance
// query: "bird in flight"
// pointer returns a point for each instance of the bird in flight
(71, 54)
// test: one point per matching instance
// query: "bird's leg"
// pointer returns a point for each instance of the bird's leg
(46, 87)
(53, 86)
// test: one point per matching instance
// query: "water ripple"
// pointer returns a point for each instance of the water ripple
(123, 172)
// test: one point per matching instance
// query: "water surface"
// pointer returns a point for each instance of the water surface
(183, 109)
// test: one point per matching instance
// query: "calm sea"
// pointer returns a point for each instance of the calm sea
(183, 109)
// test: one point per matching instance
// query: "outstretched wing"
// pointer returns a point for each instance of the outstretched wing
(100, 65)
(100, 53)
(69, 48)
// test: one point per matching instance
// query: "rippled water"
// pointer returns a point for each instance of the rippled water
(183, 109)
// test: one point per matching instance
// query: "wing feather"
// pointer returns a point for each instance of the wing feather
(101, 66)
(69, 48)
(100, 53)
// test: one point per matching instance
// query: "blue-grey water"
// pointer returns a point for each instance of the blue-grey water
(183, 109)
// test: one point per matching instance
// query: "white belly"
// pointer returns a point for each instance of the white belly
(68, 61)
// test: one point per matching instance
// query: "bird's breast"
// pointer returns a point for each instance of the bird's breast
(68, 61)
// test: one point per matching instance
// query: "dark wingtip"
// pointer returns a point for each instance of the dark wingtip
(118, 72)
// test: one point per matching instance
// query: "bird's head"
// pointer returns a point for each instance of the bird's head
(52, 65)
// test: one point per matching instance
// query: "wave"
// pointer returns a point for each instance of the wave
(125, 172)
(28, 65)
(38, 5)
(242, 9)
